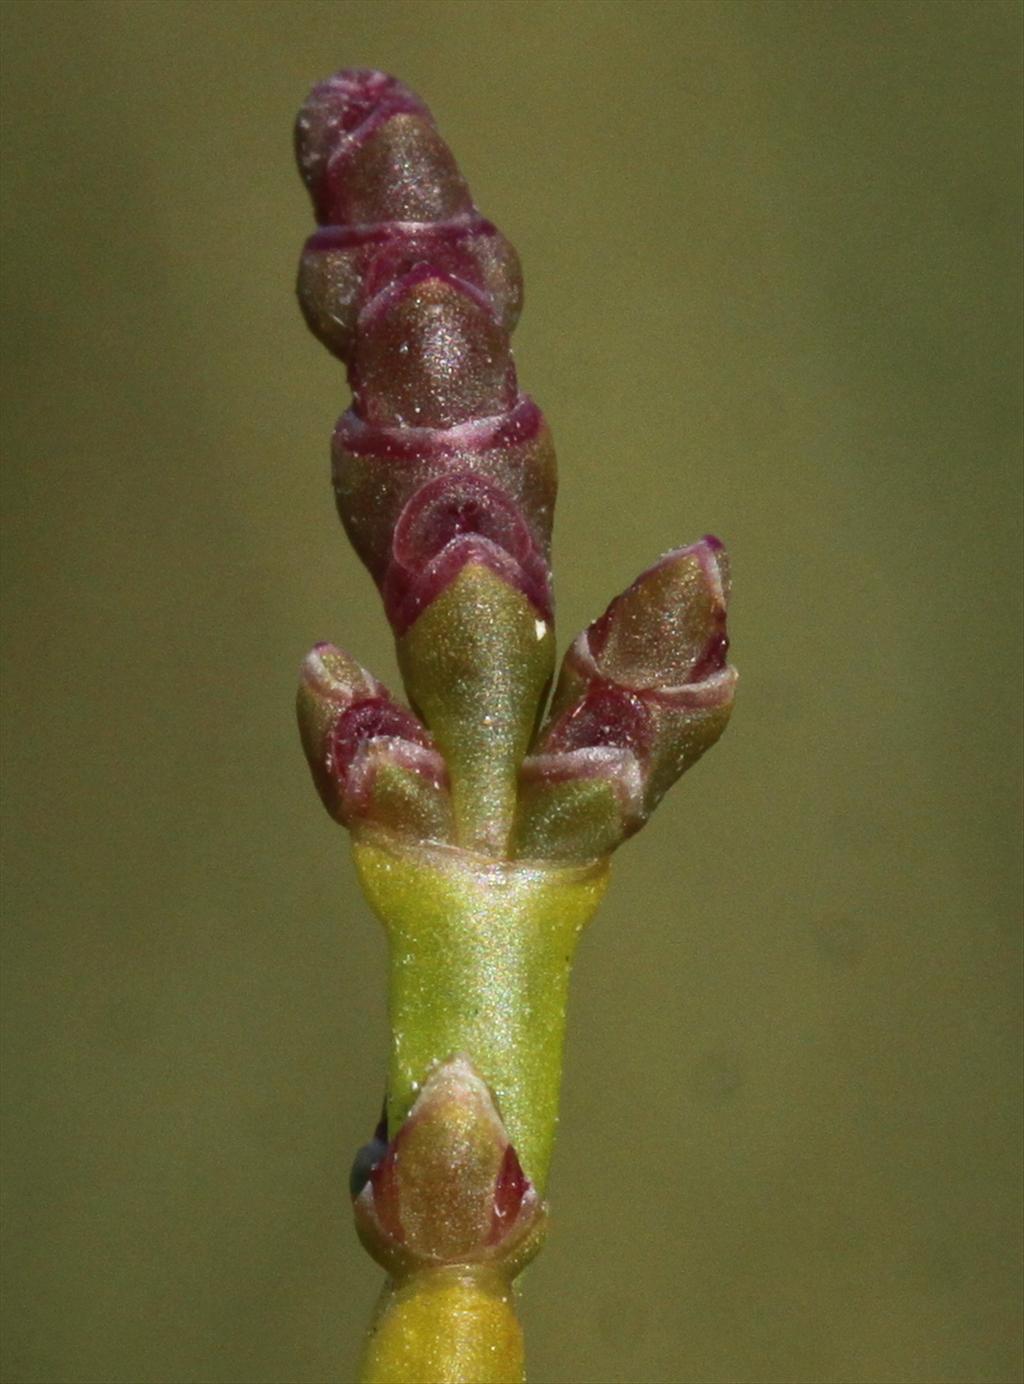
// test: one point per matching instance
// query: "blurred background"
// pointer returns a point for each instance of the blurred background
(772, 264)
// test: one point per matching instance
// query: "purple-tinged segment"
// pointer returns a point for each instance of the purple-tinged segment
(418, 302)
(383, 297)
(516, 427)
(668, 628)
(337, 106)
(454, 518)
(611, 762)
(648, 678)
(471, 250)
(371, 759)
(378, 471)
(397, 168)
(345, 265)
(450, 506)
(366, 720)
(510, 1190)
(401, 787)
(429, 352)
(444, 475)
(350, 179)
(342, 268)
(449, 1189)
(408, 593)
(605, 715)
(664, 640)
(578, 805)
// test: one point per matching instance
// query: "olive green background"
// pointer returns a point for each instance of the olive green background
(771, 255)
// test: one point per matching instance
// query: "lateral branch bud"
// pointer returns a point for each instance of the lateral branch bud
(372, 761)
(643, 692)
(448, 1189)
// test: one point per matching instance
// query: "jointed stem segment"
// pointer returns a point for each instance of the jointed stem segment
(480, 957)
(446, 1326)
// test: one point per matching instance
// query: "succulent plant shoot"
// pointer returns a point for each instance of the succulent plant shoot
(481, 827)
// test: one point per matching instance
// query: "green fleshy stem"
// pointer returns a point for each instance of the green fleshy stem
(476, 664)
(445, 1326)
(481, 952)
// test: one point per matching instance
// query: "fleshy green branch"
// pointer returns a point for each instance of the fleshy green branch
(481, 951)
(481, 844)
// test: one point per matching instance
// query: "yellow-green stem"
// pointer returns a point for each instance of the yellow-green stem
(445, 1326)
(481, 951)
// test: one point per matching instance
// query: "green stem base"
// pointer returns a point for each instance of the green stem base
(445, 1326)
(481, 951)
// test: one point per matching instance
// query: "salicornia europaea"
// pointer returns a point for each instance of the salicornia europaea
(481, 829)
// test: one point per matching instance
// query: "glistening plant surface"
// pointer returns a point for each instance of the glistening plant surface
(772, 269)
(481, 826)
